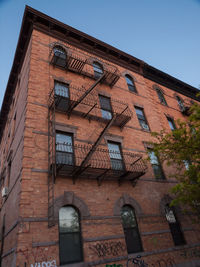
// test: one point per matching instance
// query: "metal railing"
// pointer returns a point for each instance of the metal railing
(82, 63)
(89, 106)
(125, 165)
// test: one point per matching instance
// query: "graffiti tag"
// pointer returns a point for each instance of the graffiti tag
(44, 264)
(108, 248)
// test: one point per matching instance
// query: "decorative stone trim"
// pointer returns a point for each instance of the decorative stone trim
(66, 128)
(114, 138)
(126, 72)
(125, 199)
(69, 198)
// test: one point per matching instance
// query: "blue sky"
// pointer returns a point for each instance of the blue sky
(163, 33)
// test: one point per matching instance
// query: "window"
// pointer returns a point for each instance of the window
(61, 92)
(141, 118)
(180, 103)
(131, 231)
(64, 149)
(60, 56)
(106, 109)
(171, 123)
(115, 156)
(157, 168)
(98, 70)
(70, 243)
(130, 83)
(174, 226)
(161, 97)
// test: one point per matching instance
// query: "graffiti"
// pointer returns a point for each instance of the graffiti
(193, 253)
(44, 264)
(159, 263)
(108, 248)
(37, 257)
(163, 263)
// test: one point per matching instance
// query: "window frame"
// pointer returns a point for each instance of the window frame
(180, 103)
(159, 165)
(106, 110)
(170, 119)
(134, 229)
(62, 56)
(121, 154)
(131, 86)
(80, 237)
(140, 119)
(177, 228)
(161, 97)
(97, 74)
(72, 153)
(62, 83)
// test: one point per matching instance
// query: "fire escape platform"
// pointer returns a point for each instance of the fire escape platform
(89, 107)
(82, 64)
(99, 166)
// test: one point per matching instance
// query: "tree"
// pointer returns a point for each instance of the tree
(181, 149)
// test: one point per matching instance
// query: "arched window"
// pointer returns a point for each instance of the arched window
(70, 243)
(180, 103)
(174, 226)
(59, 56)
(161, 96)
(131, 231)
(98, 70)
(130, 83)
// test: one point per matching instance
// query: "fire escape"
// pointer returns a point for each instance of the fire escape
(77, 160)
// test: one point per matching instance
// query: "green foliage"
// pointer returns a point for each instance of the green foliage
(181, 149)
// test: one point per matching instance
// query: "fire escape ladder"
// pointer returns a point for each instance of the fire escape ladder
(95, 145)
(51, 163)
(75, 104)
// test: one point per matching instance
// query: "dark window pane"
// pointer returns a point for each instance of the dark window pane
(171, 124)
(70, 237)
(180, 103)
(115, 156)
(70, 249)
(59, 57)
(141, 118)
(131, 232)
(106, 109)
(98, 70)
(61, 89)
(130, 83)
(161, 96)
(64, 149)
(157, 168)
(174, 226)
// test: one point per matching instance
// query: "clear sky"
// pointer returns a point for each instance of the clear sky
(163, 33)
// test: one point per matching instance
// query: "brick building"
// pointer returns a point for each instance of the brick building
(76, 122)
